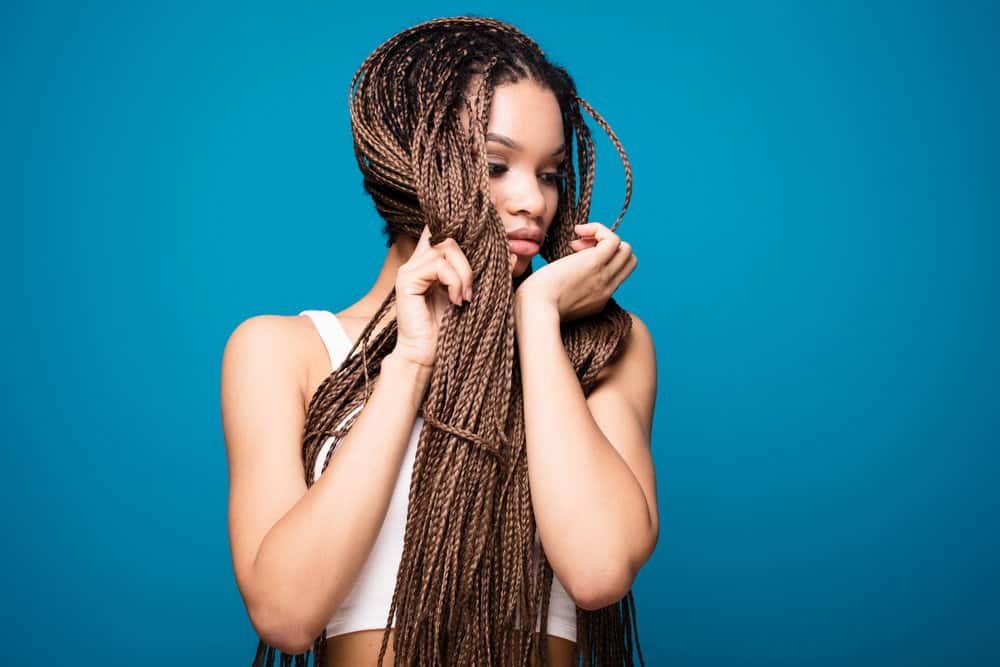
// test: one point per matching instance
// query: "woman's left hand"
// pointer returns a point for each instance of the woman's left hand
(580, 284)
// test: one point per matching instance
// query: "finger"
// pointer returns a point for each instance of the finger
(608, 242)
(421, 271)
(448, 276)
(624, 272)
(424, 241)
(582, 244)
(592, 228)
(595, 230)
(620, 258)
(453, 254)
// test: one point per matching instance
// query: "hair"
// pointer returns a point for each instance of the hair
(469, 563)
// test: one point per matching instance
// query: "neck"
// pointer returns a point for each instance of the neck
(397, 255)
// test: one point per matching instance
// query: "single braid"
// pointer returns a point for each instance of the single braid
(469, 566)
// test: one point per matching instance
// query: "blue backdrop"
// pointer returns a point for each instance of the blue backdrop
(815, 214)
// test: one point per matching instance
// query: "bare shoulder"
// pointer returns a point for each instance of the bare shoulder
(631, 377)
(637, 359)
(640, 340)
(269, 333)
(281, 345)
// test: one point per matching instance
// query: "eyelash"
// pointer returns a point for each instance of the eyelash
(550, 177)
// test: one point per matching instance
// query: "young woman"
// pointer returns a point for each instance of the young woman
(469, 443)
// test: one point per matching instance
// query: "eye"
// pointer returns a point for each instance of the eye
(548, 177)
(553, 177)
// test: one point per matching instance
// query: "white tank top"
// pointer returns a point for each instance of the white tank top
(366, 607)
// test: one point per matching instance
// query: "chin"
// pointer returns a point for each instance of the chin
(521, 268)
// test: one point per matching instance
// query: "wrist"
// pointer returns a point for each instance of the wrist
(533, 309)
(404, 369)
(406, 376)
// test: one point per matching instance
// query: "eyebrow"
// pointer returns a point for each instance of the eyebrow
(507, 141)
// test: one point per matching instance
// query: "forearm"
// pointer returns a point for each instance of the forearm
(309, 560)
(591, 512)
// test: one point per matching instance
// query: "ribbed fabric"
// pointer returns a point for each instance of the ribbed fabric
(366, 607)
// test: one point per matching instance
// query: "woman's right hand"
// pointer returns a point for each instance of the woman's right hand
(433, 278)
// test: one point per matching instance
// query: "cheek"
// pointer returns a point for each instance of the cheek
(552, 201)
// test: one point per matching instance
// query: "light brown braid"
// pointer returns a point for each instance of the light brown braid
(468, 564)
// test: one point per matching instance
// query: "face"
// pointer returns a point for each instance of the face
(524, 148)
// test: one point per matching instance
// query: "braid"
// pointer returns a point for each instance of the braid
(469, 565)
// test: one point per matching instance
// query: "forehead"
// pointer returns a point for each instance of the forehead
(529, 114)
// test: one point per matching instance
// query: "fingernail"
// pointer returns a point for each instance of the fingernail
(468, 294)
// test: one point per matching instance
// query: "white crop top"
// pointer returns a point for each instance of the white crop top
(366, 607)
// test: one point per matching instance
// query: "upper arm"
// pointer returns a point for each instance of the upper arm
(622, 405)
(262, 419)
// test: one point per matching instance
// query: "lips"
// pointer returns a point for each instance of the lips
(526, 241)
(527, 234)
(523, 247)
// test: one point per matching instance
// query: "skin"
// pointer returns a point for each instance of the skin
(589, 463)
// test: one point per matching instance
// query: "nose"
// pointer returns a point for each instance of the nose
(525, 197)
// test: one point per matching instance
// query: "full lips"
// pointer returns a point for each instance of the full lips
(523, 247)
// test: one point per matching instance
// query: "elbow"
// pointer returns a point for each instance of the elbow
(281, 630)
(601, 588)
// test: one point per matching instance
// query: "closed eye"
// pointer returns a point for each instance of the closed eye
(553, 177)
(548, 177)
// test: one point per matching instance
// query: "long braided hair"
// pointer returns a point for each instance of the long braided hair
(469, 565)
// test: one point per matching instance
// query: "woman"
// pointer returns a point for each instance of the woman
(468, 444)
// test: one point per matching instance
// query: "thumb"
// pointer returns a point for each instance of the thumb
(424, 241)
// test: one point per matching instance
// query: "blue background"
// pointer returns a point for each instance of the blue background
(815, 214)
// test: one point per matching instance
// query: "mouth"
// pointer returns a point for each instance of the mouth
(524, 247)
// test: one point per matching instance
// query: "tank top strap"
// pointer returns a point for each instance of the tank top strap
(335, 338)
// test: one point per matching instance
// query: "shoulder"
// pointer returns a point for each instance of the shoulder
(637, 356)
(272, 334)
(632, 374)
(262, 346)
(640, 340)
